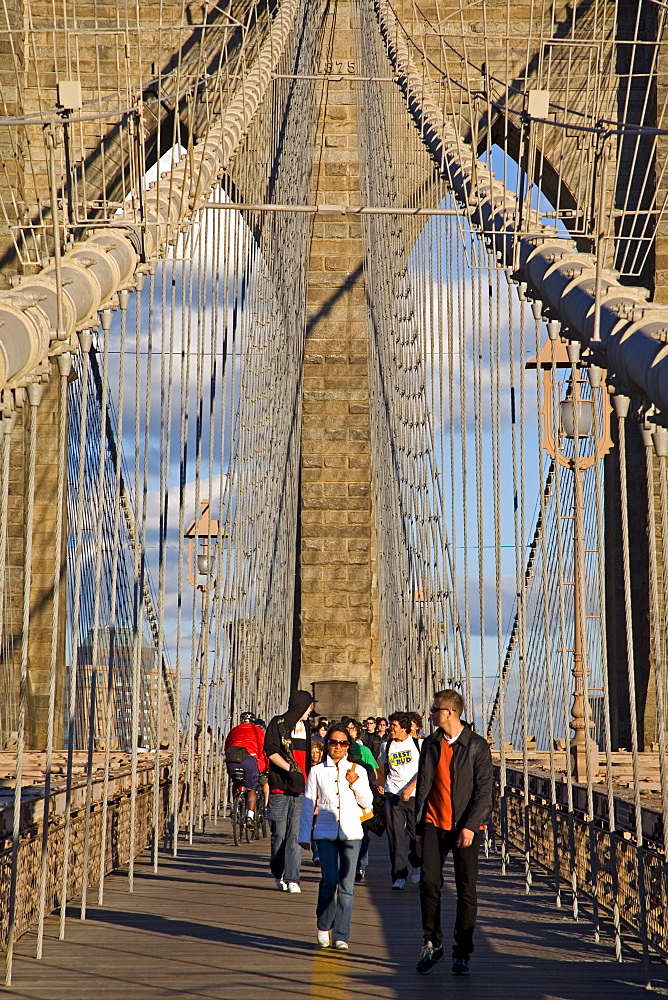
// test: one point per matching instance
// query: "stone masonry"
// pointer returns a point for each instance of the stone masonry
(339, 629)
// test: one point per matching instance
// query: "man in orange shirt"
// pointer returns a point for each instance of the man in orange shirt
(452, 801)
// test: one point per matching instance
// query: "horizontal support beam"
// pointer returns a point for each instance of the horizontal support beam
(332, 209)
(336, 77)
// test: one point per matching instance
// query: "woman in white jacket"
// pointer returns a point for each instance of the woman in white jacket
(342, 793)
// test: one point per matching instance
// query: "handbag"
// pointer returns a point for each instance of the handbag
(365, 814)
(378, 822)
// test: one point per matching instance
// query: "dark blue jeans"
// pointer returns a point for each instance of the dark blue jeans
(286, 855)
(338, 863)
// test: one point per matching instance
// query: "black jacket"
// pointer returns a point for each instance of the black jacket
(472, 778)
(372, 741)
(278, 739)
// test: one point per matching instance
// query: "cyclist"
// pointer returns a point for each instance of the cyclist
(244, 749)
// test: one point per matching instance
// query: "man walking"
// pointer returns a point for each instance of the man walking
(453, 799)
(397, 775)
(371, 738)
(287, 744)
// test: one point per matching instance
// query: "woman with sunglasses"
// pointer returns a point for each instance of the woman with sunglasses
(342, 793)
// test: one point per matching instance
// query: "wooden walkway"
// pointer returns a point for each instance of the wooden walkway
(212, 925)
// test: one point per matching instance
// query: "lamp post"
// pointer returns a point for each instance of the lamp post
(590, 442)
(202, 535)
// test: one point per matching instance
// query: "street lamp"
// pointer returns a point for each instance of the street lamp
(589, 444)
(202, 536)
(201, 548)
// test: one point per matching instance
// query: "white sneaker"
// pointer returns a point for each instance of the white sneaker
(399, 883)
(323, 939)
(294, 887)
(415, 876)
(341, 945)
(281, 885)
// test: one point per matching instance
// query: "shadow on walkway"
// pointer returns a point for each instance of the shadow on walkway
(210, 926)
(525, 946)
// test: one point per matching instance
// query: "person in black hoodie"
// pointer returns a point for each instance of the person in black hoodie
(287, 744)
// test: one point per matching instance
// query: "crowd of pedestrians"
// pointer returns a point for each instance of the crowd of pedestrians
(334, 782)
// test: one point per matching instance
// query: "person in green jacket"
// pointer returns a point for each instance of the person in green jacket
(360, 754)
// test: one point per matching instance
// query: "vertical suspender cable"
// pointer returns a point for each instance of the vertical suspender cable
(34, 392)
(519, 572)
(99, 501)
(662, 715)
(201, 701)
(495, 402)
(64, 362)
(160, 692)
(196, 648)
(658, 634)
(463, 414)
(601, 582)
(621, 404)
(546, 633)
(553, 402)
(138, 668)
(7, 423)
(186, 286)
(85, 342)
(480, 477)
(110, 707)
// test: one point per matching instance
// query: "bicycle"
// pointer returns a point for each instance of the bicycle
(239, 809)
(239, 812)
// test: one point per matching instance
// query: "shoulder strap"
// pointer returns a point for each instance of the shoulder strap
(416, 742)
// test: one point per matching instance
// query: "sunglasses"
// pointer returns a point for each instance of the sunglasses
(338, 743)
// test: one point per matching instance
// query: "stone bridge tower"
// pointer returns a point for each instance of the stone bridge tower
(471, 59)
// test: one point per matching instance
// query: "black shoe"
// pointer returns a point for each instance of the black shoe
(360, 874)
(460, 966)
(250, 822)
(429, 957)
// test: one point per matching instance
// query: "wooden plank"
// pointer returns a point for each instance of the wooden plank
(211, 924)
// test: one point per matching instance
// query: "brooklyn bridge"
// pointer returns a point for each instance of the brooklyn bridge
(333, 357)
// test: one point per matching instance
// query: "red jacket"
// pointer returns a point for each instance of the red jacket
(251, 738)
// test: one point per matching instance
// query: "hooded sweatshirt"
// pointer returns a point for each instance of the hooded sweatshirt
(294, 748)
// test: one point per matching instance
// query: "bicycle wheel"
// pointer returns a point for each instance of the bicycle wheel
(262, 820)
(238, 819)
(251, 834)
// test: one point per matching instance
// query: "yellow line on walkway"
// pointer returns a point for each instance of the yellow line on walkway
(329, 979)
